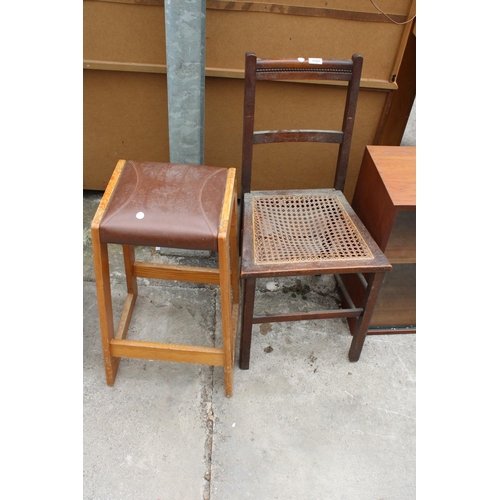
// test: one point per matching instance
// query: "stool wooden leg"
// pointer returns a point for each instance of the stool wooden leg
(370, 299)
(235, 259)
(132, 292)
(104, 304)
(228, 339)
(247, 321)
(129, 259)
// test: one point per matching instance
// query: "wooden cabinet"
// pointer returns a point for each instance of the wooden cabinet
(385, 200)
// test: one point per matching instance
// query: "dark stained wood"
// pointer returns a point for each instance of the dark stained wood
(247, 321)
(274, 318)
(367, 271)
(248, 124)
(300, 69)
(402, 99)
(273, 136)
(369, 302)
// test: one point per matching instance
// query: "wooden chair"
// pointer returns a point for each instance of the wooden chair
(305, 232)
(173, 206)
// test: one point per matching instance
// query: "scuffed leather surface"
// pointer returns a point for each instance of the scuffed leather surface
(181, 206)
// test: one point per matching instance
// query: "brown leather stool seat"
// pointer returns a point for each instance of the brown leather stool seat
(175, 206)
(167, 205)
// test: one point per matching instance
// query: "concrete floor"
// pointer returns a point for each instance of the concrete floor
(303, 423)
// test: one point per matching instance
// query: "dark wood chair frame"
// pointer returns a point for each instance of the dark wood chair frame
(369, 271)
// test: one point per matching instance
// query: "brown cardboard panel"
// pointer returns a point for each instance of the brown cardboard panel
(123, 32)
(297, 36)
(369, 12)
(135, 2)
(125, 115)
(135, 33)
(388, 6)
(223, 122)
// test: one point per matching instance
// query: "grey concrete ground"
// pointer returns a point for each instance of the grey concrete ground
(303, 423)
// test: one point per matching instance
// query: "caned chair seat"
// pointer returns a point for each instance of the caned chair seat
(175, 206)
(295, 226)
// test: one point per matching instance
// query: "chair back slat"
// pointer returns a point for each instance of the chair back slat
(272, 136)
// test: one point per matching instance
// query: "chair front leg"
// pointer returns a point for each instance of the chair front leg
(249, 285)
(374, 282)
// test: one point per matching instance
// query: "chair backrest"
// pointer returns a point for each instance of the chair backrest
(300, 69)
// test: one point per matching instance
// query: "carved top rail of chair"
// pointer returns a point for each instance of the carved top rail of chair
(301, 68)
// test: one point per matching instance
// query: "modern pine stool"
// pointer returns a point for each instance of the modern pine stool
(174, 206)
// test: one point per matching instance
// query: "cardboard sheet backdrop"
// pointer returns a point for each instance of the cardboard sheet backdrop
(125, 84)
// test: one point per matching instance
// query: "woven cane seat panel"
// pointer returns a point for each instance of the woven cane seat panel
(304, 228)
